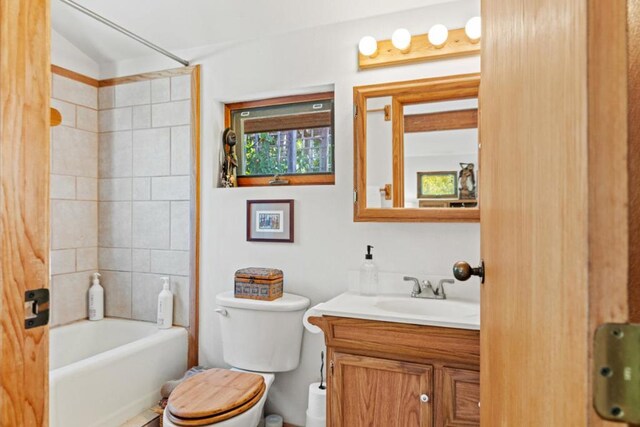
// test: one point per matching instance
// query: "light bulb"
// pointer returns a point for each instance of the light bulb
(438, 35)
(368, 46)
(401, 39)
(473, 29)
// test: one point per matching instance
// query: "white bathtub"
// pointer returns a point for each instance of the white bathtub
(105, 372)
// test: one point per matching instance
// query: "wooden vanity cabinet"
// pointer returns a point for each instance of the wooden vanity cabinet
(384, 374)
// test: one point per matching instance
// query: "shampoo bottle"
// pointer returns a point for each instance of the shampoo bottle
(96, 299)
(368, 274)
(165, 305)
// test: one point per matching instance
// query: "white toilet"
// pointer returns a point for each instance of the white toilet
(259, 338)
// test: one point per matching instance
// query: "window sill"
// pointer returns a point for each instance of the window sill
(263, 181)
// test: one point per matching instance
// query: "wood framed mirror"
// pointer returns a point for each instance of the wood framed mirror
(417, 150)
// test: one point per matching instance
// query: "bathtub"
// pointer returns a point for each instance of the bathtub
(102, 373)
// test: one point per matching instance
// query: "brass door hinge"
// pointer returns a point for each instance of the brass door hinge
(616, 383)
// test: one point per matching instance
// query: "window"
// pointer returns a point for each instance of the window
(291, 137)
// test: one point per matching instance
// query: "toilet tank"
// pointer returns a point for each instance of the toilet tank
(264, 336)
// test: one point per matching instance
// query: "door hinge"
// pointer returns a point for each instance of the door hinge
(616, 377)
(355, 196)
(36, 308)
(355, 111)
(331, 364)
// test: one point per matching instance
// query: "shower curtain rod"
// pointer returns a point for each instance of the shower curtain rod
(124, 31)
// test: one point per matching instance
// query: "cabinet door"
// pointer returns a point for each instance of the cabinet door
(459, 403)
(372, 392)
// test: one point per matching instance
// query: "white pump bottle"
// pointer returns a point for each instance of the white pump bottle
(96, 299)
(165, 305)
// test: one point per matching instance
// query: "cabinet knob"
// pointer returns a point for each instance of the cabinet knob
(463, 271)
(478, 404)
(424, 398)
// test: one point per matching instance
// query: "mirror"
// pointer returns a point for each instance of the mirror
(417, 150)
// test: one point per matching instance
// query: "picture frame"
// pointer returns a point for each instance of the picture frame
(270, 221)
(429, 181)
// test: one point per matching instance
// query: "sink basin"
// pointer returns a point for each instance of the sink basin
(450, 313)
(427, 307)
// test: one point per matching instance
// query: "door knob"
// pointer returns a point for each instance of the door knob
(463, 271)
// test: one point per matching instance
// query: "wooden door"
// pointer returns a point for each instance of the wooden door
(373, 392)
(557, 203)
(459, 403)
(24, 207)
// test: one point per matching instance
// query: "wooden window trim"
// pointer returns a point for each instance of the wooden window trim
(447, 120)
(263, 181)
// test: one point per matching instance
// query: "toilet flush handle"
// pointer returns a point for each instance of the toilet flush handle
(222, 312)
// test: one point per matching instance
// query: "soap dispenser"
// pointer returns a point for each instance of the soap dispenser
(165, 305)
(368, 274)
(96, 299)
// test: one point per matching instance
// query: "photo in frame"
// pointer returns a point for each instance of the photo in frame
(270, 221)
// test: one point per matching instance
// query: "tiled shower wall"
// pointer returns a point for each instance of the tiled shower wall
(144, 195)
(121, 196)
(74, 195)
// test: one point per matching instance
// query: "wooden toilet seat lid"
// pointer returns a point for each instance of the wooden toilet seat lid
(213, 396)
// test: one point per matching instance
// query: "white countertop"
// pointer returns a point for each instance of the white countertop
(401, 308)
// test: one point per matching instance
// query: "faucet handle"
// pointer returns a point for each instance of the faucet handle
(441, 286)
(416, 285)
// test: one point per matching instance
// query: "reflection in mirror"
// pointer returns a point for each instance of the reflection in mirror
(379, 153)
(441, 154)
(416, 150)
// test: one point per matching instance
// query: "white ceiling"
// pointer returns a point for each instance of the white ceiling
(184, 24)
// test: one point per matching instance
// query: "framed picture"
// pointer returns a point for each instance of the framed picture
(438, 185)
(270, 221)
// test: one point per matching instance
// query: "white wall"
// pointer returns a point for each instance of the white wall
(64, 54)
(328, 243)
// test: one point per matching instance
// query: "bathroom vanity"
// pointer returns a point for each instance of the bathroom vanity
(394, 372)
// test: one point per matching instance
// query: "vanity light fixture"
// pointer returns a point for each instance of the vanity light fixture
(401, 40)
(403, 48)
(438, 35)
(368, 46)
(473, 29)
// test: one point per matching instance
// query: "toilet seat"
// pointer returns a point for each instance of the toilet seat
(214, 396)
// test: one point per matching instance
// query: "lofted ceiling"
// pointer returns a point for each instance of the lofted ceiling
(184, 24)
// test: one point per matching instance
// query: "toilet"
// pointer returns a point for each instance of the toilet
(259, 338)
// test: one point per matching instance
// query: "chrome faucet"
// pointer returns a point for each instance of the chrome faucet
(426, 290)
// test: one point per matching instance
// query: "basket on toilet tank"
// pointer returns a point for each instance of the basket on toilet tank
(258, 283)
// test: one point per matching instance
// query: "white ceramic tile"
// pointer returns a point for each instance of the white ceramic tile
(69, 297)
(181, 150)
(63, 261)
(181, 87)
(180, 230)
(63, 187)
(115, 224)
(152, 152)
(74, 152)
(160, 90)
(151, 225)
(145, 291)
(117, 293)
(67, 111)
(141, 260)
(141, 189)
(170, 188)
(171, 114)
(115, 119)
(72, 91)
(73, 224)
(142, 116)
(86, 188)
(115, 154)
(170, 262)
(87, 259)
(136, 93)
(115, 189)
(106, 97)
(118, 259)
(87, 119)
